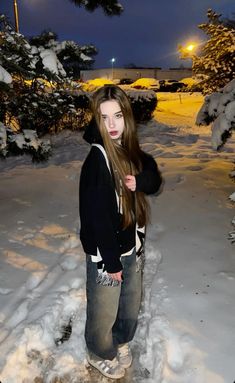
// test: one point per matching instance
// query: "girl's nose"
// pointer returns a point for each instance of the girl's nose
(111, 122)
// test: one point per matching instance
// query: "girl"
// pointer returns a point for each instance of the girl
(114, 211)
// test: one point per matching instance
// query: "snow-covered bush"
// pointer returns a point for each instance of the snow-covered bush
(219, 108)
(143, 103)
(36, 105)
(34, 90)
(25, 142)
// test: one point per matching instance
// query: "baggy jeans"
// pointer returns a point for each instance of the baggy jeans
(112, 311)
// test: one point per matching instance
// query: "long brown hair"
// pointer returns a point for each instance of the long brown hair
(125, 158)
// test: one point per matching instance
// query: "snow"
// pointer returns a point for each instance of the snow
(51, 62)
(186, 324)
(220, 126)
(91, 85)
(3, 136)
(230, 111)
(232, 196)
(28, 139)
(5, 76)
(145, 82)
(85, 57)
(190, 81)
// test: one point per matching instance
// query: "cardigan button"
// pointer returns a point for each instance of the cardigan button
(117, 231)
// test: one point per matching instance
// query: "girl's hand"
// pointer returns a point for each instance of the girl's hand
(116, 276)
(130, 182)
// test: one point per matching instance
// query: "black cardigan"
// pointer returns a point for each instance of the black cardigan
(100, 220)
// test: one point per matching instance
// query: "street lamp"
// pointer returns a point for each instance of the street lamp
(16, 16)
(189, 50)
(112, 62)
(190, 47)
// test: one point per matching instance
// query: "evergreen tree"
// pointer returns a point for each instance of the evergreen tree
(216, 59)
(45, 39)
(16, 54)
(75, 58)
(110, 7)
(72, 56)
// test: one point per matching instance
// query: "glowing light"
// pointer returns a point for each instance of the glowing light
(190, 47)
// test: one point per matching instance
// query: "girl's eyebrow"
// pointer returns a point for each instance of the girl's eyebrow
(104, 115)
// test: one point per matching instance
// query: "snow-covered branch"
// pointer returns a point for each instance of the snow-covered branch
(219, 108)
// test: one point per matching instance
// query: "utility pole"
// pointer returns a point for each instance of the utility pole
(16, 16)
(112, 61)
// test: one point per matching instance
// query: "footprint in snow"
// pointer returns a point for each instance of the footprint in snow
(176, 179)
(70, 262)
(5, 291)
(72, 242)
(175, 354)
(28, 236)
(194, 168)
(149, 147)
(171, 155)
(35, 279)
(227, 275)
(22, 202)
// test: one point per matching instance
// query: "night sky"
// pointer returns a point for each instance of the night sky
(146, 34)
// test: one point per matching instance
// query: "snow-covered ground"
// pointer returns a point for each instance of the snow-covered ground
(186, 326)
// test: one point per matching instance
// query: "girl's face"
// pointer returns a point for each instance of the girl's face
(113, 118)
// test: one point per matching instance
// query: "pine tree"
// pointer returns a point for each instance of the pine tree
(15, 52)
(110, 7)
(216, 59)
(72, 56)
(76, 58)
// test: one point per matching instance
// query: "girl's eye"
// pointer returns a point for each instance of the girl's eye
(104, 118)
(119, 115)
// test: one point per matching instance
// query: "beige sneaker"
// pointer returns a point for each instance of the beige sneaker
(124, 355)
(109, 368)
